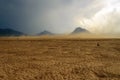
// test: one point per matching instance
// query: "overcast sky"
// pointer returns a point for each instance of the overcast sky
(60, 16)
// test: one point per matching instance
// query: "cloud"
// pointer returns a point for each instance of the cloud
(60, 16)
(63, 18)
(106, 20)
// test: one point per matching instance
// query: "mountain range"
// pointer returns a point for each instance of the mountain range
(11, 32)
(78, 30)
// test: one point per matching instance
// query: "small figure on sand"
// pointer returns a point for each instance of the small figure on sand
(98, 44)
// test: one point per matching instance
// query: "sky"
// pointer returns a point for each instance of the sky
(60, 16)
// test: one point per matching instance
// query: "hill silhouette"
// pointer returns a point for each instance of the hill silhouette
(45, 33)
(79, 30)
(10, 32)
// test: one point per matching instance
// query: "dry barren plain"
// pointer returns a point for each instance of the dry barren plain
(59, 59)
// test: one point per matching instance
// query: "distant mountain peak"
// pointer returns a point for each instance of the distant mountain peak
(80, 30)
(45, 32)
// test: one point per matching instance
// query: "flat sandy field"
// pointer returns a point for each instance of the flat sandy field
(59, 59)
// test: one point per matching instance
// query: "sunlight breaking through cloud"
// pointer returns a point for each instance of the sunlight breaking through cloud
(106, 20)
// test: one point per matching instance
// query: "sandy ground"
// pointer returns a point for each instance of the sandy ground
(59, 59)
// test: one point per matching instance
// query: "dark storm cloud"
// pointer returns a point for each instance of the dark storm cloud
(19, 14)
(12, 14)
(32, 16)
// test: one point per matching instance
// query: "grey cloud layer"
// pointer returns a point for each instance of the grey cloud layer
(59, 16)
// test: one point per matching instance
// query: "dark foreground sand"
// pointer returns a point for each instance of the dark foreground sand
(59, 59)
